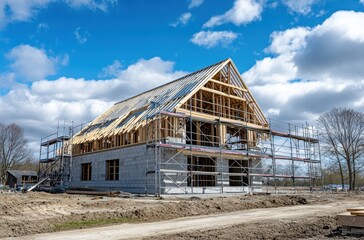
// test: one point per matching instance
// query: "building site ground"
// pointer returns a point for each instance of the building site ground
(275, 216)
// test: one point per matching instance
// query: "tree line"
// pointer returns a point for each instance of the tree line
(341, 139)
(342, 145)
(14, 150)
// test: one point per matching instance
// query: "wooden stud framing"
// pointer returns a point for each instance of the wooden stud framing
(221, 95)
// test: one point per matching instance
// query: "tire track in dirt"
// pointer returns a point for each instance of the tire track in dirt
(190, 224)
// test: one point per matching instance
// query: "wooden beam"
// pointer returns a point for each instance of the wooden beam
(346, 219)
(198, 132)
(213, 73)
(200, 101)
(195, 102)
(228, 85)
(229, 108)
(222, 93)
(225, 156)
(209, 118)
(213, 103)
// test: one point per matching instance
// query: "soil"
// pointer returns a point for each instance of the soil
(299, 228)
(31, 213)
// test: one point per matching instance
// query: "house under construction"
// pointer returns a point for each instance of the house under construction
(202, 133)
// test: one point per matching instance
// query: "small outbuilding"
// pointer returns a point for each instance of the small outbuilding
(21, 177)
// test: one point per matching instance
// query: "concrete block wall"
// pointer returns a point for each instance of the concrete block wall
(257, 181)
(174, 182)
(222, 167)
(133, 163)
(132, 170)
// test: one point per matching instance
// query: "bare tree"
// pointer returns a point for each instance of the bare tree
(14, 150)
(335, 162)
(342, 132)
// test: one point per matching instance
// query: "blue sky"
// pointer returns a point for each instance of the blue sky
(72, 59)
(129, 30)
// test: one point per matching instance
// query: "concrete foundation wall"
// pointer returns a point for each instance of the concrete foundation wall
(133, 162)
(132, 170)
(256, 182)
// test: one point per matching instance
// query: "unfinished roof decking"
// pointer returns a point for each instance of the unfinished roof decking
(130, 114)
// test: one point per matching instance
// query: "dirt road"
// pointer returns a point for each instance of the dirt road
(210, 222)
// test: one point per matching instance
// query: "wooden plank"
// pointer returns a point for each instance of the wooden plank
(198, 132)
(213, 104)
(200, 101)
(259, 110)
(97, 193)
(202, 83)
(222, 93)
(346, 219)
(355, 209)
(228, 85)
(188, 152)
(208, 117)
(357, 213)
(195, 102)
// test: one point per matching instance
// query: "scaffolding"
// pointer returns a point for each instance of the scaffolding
(205, 132)
(55, 157)
(224, 155)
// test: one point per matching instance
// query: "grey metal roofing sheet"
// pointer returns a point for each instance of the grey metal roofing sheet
(131, 112)
(165, 98)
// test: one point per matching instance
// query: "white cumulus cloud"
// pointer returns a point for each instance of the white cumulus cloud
(112, 70)
(209, 39)
(26, 10)
(42, 27)
(41, 105)
(243, 12)
(299, 6)
(270, 70)
(81, 37)
(287, 41)
(313, 70)
(30, 63)
(335, 49)
(182, 20)
(194, 3)
(102, 5)
(21, 10)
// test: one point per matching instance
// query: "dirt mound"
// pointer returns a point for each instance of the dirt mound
(23, 214)
(300, 228)
(30, 213)
(213, 205)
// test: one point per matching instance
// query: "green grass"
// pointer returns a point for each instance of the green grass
(90, 223)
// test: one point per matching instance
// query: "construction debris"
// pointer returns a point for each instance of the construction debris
(351, 222)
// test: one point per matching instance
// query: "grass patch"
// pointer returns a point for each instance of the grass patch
(90, 223)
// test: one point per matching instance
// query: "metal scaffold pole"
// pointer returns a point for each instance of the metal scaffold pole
(191, 155)
(155, 157)
(159, 153)
(291, 152)
(71, 152)
(273, 156)
(307, 130)
(147, 159)
(250, 170)
(320, 164)
(221, 160)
